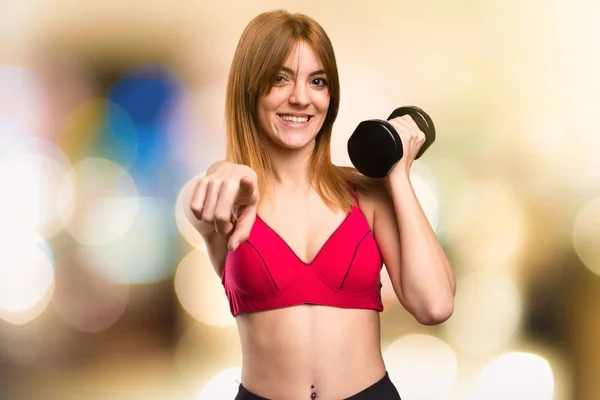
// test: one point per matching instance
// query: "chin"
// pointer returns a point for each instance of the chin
(295, 141)
(294, 144)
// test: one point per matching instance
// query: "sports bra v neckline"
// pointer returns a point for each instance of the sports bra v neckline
(265, 273)
(323, 246)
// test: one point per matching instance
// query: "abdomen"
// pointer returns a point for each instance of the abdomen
(285, 351)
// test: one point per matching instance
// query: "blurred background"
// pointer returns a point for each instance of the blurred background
(107, 109)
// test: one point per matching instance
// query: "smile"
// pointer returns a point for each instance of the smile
(290, 119)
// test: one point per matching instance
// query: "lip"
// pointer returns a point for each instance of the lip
(292, 114)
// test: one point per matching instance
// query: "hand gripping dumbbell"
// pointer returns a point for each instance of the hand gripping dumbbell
(375, 147)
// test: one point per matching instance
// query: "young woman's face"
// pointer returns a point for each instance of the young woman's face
(293, 111)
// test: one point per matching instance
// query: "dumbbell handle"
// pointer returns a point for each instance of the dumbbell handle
(425, 124)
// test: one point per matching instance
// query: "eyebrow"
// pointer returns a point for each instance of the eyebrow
(292, 72)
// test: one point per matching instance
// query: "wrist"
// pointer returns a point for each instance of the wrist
(399, 181)
(399, 173)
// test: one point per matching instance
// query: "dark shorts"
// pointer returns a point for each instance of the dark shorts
(383, 389)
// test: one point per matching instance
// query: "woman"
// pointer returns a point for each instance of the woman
(298, 242)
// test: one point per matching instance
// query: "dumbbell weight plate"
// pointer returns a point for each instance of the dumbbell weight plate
(375, 146)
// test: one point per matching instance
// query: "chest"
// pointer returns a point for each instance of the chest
(304, 229)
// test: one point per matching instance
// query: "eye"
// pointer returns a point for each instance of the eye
(279, 79)
(319, 82)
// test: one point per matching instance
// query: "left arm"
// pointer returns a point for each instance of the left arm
(419, 270)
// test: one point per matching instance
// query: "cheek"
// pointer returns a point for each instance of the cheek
(321, 100)
(265, 108)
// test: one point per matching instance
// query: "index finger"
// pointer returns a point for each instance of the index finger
(243, 226)
(247, 192)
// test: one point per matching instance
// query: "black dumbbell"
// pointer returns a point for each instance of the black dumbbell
(375, 147)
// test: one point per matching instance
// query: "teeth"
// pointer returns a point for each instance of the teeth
(289, 118)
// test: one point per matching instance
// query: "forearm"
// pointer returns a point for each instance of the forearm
(426, 277)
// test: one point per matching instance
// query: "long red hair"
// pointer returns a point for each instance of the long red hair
(262, 50)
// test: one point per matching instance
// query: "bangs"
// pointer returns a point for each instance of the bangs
(270, 58)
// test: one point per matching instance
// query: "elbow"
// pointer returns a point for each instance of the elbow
(436, 314)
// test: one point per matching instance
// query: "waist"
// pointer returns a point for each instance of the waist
(288, 350)
(384, 388)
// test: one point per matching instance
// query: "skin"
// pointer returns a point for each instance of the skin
(285, 351)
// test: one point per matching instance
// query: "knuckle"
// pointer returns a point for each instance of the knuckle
(202, 180)
(229, 184)
(250, 172)
(207, 217)
(195, 205)
(221, 216)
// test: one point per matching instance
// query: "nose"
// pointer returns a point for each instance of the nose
(299, 96)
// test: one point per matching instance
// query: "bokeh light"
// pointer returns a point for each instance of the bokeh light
(519, 376)
(203, 350)
(200, 291)
(422, 367)
(26, 277)
(223, 385)
(142, 254)
(98, 201)
(487, 313)
(586, 235)
(423, 185)
(30, 173)
(22, 106)
(117, 136)
(101, 129)
(84, 299)
(151, 95)
(488, 227)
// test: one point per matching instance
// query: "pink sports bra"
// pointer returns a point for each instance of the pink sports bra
(264, 273)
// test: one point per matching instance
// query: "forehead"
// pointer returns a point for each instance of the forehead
(303, 58)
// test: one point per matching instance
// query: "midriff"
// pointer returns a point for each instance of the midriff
(287, 350)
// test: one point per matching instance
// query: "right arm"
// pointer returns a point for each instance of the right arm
(209, 203)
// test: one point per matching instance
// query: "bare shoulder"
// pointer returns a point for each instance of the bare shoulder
(374, 199)
(373, 195)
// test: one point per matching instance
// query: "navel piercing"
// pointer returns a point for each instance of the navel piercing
(313, 394)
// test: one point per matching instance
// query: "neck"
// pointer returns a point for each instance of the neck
(291, 167)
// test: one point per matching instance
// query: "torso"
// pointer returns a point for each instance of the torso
(287, 350)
